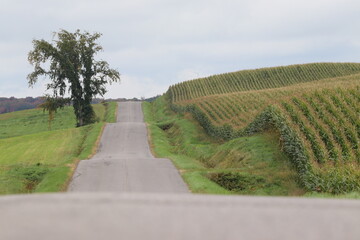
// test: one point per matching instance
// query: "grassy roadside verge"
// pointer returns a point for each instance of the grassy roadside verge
(44, 161)
(193, 172)
(234, 166)
(110, 112)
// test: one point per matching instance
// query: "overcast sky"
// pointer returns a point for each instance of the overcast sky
(156, 43)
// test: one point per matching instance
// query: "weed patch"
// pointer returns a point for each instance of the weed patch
(165, 126)
(238, 181)
(30, 176)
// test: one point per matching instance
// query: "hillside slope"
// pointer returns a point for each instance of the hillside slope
(317, 118)
(36, 159)
(203, 160)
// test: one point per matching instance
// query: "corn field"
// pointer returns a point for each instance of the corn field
(258, 79)
(319, 103)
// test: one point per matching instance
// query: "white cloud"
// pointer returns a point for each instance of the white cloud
(13, 90)
(155, 43)
(129, 85)
(189, 74)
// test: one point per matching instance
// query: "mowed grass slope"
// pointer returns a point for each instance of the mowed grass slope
(34, 121)
(317, 120)
(34, 159)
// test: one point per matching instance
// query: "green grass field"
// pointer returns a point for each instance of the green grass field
(34, 121)
(34, 159)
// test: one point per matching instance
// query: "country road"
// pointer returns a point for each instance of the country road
(124, 162)
(123, 192)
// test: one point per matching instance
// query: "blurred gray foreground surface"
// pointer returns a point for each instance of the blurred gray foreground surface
(175, 216)
(124, 162)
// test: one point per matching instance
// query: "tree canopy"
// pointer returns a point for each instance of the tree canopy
(69, 62)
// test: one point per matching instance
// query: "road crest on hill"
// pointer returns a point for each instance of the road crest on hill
(124, 162)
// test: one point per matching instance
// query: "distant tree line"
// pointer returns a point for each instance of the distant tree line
(16, 104)
(13, 104)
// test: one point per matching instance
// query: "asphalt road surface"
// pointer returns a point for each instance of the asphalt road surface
(124, 162)
(125, 193)
(93, 216)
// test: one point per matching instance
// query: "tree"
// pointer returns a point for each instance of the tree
(52, 104)
(72, 68)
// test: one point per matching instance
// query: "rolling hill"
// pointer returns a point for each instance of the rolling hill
(312, 108)
(258, 79)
